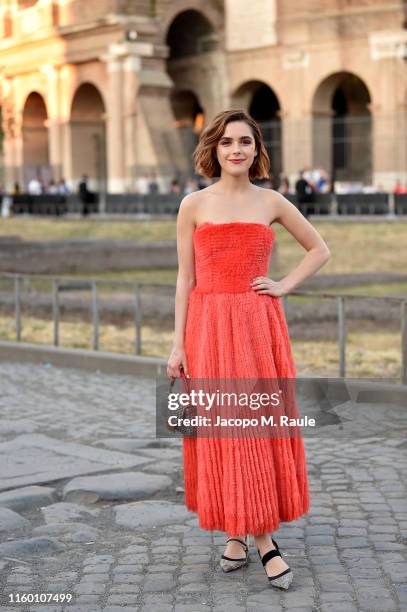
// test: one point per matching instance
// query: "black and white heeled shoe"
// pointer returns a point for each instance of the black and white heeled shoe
(228, 564)
(282, 580)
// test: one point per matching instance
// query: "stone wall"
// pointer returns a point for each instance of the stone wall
(68, 256)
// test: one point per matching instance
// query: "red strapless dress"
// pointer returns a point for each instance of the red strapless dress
(246, 485)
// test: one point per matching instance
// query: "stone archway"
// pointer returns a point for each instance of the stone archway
(192, 43)
(263, 105)
(192, 67)
(190, 34)
(342, 128)
(35, 139)
(88, 136)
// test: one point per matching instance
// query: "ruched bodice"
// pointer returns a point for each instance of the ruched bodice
(229, 255)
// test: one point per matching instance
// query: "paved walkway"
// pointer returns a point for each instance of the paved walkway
(91, 505)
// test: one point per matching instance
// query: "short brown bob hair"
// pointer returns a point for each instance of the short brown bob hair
(205, 158)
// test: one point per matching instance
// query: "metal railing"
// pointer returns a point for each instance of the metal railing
(382, 204)
(341, 318)
(64, 284)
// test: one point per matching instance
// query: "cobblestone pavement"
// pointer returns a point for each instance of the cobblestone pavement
(91, 504)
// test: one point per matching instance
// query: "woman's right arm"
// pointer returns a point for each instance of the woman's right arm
(185, 283)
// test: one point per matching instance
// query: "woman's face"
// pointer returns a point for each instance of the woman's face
(236, 149)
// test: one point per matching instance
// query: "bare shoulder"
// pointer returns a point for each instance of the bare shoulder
(189, 205)
(192, 203)
(273, 201)
(275, 197)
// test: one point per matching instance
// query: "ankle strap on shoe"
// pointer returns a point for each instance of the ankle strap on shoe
(270, 555)
(240, 542)
(275, 544)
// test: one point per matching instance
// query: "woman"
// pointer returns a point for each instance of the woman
(229, 323)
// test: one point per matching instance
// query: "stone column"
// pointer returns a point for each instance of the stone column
(385, 164)
(66, 90)
(115, 124)
(131, 66)
(216, 96)
(54, 120)
(388, 139)
(13, 138)
(389, 125)
(296, 143)
(297, 120)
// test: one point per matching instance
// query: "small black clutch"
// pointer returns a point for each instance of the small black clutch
(183, 412)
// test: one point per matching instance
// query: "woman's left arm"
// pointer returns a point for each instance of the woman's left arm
(317, 250)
